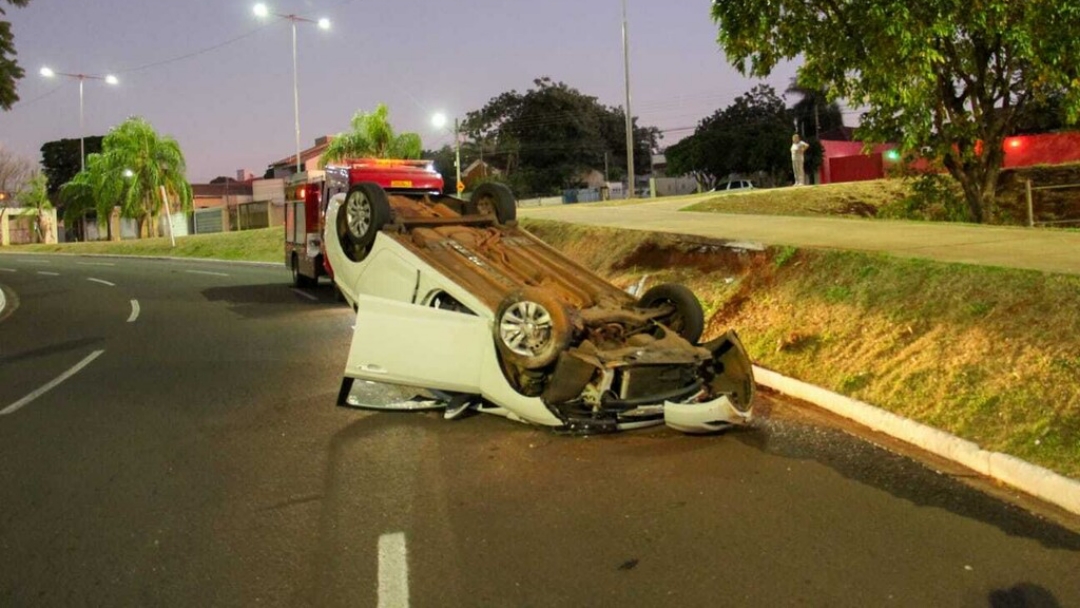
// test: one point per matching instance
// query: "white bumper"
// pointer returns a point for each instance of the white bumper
(707, 417)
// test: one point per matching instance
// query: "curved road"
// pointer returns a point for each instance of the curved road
(198, 460)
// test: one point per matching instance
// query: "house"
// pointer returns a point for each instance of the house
(477, 171)
(221, 192)
(309, 160)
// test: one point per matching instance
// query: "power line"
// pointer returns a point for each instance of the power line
(200, 51)
(22, 104)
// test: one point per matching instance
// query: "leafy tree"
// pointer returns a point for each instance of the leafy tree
(372, 137)
(144, 161)
(1042, 115)
(84, 195)
(944, 78)
(752, 134)
(134, 163)
(444, 164)
(10, 71)
(61, 159)
(814, 113)
(546, 138)
(34, 198)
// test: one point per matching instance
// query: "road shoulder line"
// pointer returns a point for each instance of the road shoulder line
(1022, 475)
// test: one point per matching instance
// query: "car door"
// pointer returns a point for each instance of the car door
(414, 345)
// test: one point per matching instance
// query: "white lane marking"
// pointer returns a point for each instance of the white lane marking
(393, 571)
(14, 407)
(94, 264)
(305, 294)
(8, 270)
(134, 311)
(214, 274)
(48, 274)
(34, 261)
(102, 281)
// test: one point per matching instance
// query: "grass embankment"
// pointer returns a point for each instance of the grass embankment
(265, 245)
(988, 354)
(854, 198)
(1055, 200)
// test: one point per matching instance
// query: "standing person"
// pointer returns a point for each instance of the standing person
(798, 159)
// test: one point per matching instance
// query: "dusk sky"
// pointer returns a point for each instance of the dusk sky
(231, 107)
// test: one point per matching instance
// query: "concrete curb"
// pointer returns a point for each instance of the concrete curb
(3, 302)
(1024, 476)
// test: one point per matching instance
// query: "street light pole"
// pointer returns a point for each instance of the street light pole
(439, 121)
(82, 128)
(296, 94)
(457, 152)
(261, 10)
(629, 114)
(108, 78)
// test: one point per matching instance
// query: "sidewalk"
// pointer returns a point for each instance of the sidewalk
(1034, 249)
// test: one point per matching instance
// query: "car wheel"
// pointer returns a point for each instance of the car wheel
(493, 199)
(686, 319)
(365, 211)
(532, 328)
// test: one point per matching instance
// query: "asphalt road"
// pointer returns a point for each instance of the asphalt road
(198, 459)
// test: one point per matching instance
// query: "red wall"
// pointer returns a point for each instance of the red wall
(1044, 149)
(842, 162)
(856, 168)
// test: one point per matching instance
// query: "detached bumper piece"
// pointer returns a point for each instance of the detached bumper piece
(704, 417)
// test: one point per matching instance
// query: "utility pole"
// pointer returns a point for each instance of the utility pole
(629, 113)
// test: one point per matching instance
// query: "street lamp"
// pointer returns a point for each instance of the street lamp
(261, 10)
(629, 115)
(440, 121)
(108, 79)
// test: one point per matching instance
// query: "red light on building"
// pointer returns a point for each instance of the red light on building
(1013, 143)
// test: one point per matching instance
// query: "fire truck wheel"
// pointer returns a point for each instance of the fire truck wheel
(532, 328)
(298, 280)
(364, 213)
(493, 199)
(686, 319)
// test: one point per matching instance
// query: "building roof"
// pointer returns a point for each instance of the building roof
(305, 155)
(220, 190)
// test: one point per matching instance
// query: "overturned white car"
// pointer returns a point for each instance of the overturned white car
(452, 296)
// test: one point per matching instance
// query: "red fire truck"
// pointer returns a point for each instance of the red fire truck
(308, 192)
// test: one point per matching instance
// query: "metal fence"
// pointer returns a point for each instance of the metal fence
(1054, 213)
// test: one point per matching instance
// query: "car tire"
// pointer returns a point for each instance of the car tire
(365, 211)
(532, 327)
(493, 199)
(687, 319)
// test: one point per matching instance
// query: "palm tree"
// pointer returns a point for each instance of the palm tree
(80, 196)
(372, 137)
(34, 198)
(135, 164)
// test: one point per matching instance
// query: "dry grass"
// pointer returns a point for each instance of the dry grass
(988, 354)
